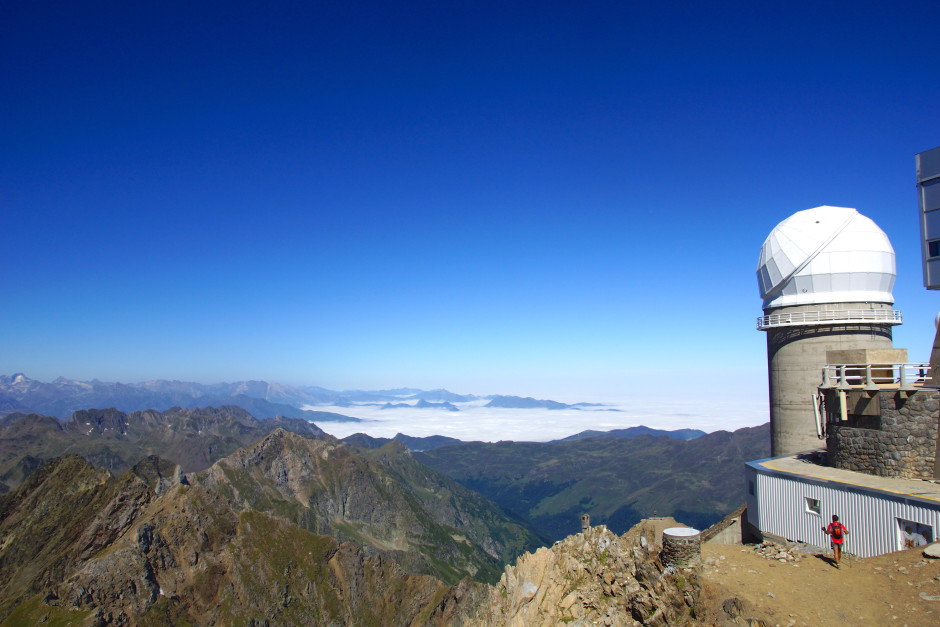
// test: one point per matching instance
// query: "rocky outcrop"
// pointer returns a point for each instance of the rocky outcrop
(66, 513)
(595, 577)
(117, 586)
(196, 561)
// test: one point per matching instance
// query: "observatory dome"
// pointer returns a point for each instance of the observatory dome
(826, 255)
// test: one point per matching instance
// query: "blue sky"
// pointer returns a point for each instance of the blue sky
(541, 198)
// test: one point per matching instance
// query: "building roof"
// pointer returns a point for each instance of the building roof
(826, 255)
(805, 467)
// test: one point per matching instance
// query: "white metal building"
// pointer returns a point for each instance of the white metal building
(794, 499)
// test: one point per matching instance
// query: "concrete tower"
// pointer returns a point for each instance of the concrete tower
(825, 276)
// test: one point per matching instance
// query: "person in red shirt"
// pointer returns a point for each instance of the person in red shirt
(837, 532)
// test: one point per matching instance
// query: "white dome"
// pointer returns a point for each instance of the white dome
(826, 255)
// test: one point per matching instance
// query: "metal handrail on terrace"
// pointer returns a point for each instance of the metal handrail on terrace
(874, 377)
(828, 316)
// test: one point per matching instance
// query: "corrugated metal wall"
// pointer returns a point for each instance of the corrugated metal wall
(779, 507)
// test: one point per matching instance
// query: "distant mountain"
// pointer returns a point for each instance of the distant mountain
(421, 404)
(519, 402)
(632, 432)
(357, 395)
(112, 439)
(265, 390)
(443, 395)
(62, 397)
(618, 481)
(429, 443)
(374, 396)
(260, 408)
(262, 399)
(414, 444)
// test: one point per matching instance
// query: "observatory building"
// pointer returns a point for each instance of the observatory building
(825, 277)
(854, 427)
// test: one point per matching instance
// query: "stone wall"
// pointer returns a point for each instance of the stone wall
(890, 435)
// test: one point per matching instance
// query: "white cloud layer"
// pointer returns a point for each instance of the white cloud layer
(475, 422)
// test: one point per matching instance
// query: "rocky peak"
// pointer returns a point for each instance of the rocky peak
(281, 446)
(19, 382)
(99, 421)
(158, 474)
(15, 424)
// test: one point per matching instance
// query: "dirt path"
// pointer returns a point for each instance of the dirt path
(885, 590)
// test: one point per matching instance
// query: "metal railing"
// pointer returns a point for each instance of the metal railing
(829, 316)
(874, 377)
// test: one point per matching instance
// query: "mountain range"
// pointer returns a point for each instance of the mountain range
(305, 529)
(96, 549)
(228, 532)
(62, 397)
(273, 520)
(527, 402)
(112, 439)
(632, 432)
(431, 442)
(262, 399)
(239, 544)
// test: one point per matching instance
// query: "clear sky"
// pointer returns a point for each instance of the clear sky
(557, 199)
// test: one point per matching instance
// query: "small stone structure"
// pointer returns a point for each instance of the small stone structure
(887, 433)
(585, 522)
(682, 547)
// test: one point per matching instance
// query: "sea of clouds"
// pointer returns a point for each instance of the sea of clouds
(475, 422)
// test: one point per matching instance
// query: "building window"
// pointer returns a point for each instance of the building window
(813, 506)
(750, 488)
(933, 249)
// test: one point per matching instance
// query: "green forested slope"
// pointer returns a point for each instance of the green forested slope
(617, 481)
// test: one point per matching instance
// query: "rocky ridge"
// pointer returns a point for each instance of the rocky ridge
(384, 501)
(112, 439)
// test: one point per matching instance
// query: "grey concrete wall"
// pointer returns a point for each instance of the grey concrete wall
(730, 535)
(795, 358)
(901, 441)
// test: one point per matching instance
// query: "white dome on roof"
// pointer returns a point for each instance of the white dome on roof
(826, 255)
